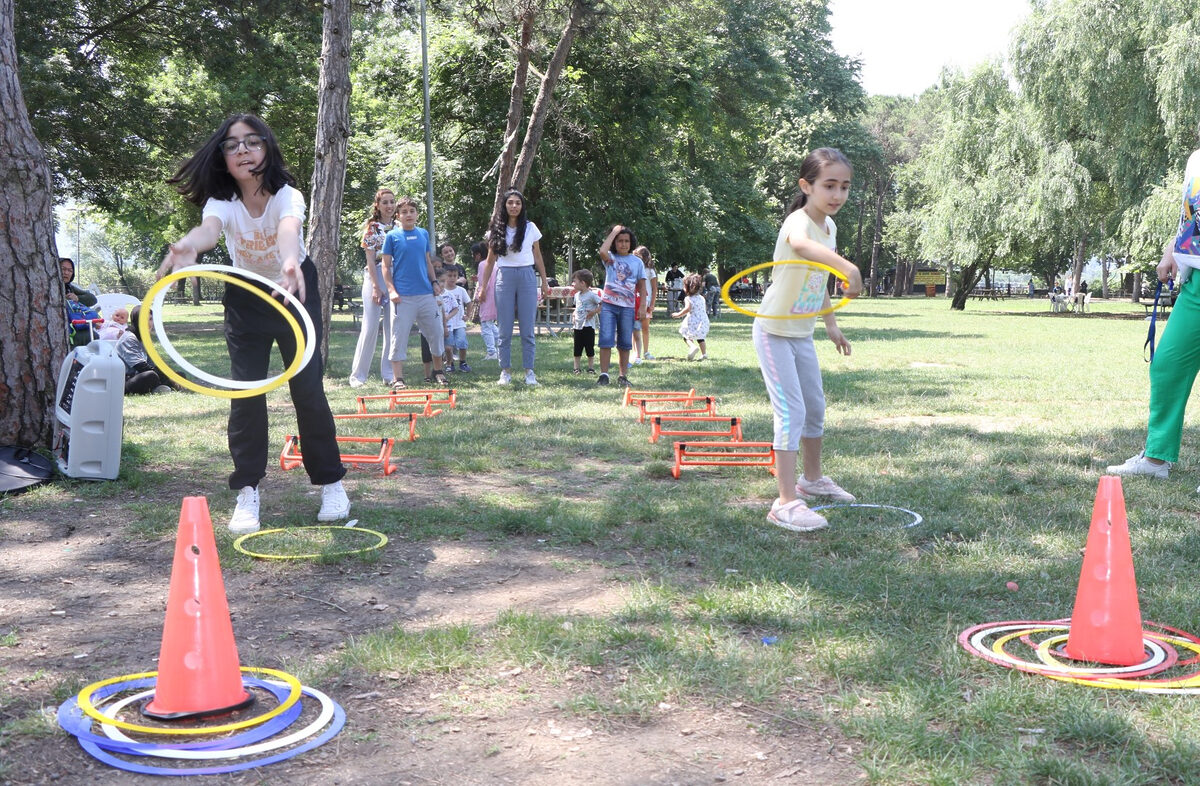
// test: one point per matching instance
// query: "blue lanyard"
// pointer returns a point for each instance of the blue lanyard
(1154, 316)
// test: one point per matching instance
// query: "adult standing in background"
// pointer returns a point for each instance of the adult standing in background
(513, 247)
(712, 291)
(374, 293)
(447, 259)
(674, 279)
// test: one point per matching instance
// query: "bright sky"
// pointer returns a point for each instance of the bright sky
(904, 45)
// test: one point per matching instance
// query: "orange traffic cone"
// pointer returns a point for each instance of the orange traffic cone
(198, 666)
(1106, 625)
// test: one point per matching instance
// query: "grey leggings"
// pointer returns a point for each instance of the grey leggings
(793, 379)
(516, 299)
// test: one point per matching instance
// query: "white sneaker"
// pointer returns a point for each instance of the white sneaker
(824, 487)
(1140, 465)
(795, 516)
(636, 361)
(530, 378)
(245, 515)
(693, 353)
(648, 356)
(355, 382)
(491, 356)
(505, 377)
(334, 502)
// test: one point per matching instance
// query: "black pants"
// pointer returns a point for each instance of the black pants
(251, 326)
(585, 341)
(141, 382)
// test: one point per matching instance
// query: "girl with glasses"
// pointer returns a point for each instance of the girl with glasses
(239, 178)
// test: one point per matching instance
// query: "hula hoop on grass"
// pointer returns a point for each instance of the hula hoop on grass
(917, 518)
(155, 298)
(237, 544)
(817, 266)
(84, 699)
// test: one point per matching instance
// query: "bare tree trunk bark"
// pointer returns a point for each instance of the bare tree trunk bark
(516, 110)
(862, 209)
(1077, 267)
(545, 96)
(329, 165)
(1104, 262)
(33, 314)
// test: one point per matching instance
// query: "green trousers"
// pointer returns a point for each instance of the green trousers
(1173, 371)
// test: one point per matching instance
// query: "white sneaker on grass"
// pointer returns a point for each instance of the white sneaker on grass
(824, 488)
(245, 515)
(530, 378)
(355, 382)
(334, 502)
(795, 516)
(505, 377)
(1140, 465)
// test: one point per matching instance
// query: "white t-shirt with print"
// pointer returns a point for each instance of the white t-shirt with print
(796, 289)
(523, 256)
(452, 299)
(253, 243)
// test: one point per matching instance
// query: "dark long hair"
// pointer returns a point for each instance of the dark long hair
(205, 176)
(810, 171)
(498, 233)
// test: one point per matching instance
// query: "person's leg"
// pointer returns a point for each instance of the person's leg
(1173, 372)
(527, 315)
(429, 320)
(403, 317)
(368, 334)
(589, 345)
(636, 335)
(577, 353)
(506, 309)
(488, 330)
(646, 338)
(624, 337)
(249, 359)
(608, 337)
(777, 362)
(703, 348)
(143, 382)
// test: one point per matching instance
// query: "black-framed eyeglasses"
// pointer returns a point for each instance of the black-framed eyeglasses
(253, 143)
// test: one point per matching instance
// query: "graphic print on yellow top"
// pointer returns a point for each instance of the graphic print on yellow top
(796, 289)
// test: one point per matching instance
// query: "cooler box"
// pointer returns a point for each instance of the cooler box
(90, 404)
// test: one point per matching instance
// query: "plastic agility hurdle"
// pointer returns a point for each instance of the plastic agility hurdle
(723, 454)
(637, 396)
(411, 416)
(662, 424)
(691, 405)
(292, 458)
(447, 397)
(423, 405)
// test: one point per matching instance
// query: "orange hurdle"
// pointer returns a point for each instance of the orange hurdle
(691, 406)
(412, 418)
(637, 396)
(423, 403)
(291, 457)
(446, 396)
(734, 430)
(724, 454)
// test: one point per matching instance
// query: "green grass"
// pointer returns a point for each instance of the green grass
(993, 424)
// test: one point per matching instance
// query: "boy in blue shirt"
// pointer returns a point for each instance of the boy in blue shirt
(410, 289)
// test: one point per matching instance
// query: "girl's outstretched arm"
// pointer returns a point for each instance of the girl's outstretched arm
(808, 248)
(288, 244)
(605, 254)
(183, 252)
(683, 312)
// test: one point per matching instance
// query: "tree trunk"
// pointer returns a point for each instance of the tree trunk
(329, 165)
(862, 209)
(968, 277)
(33, 314)
(1137, 288)
(545, 96)
(516, 110)
(881, 188)
(1104, 262)
(1077, 267)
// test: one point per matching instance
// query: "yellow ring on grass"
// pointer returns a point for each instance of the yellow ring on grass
(764, 266)
(84, 699)
(237, 544)
(154, 299)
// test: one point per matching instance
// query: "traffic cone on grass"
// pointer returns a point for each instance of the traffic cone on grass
(1106, 625)
(199, 672)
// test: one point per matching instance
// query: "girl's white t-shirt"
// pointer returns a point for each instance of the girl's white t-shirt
(794, 288)
(253, 243)
(522, 256)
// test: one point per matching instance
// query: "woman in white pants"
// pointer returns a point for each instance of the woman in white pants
(374, 293)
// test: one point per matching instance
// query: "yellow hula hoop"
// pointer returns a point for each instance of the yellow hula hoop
(84, 699)
(154, 297)
(766, 265)
(237, 544)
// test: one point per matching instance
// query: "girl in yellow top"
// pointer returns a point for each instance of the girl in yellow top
(785, 348)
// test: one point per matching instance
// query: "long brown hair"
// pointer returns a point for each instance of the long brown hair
(375, 214)
(810, 171)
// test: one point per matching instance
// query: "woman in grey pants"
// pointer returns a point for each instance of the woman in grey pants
(513, 247)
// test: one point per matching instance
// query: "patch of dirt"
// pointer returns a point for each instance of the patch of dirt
(84, 602)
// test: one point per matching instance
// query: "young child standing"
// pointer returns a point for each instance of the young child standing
(624, 279)
(695, 317)
(454, 306)
(587, 308)
(785, 348)
(247, 193)
(489, 329)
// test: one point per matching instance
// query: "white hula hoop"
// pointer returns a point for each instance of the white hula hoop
(160, 334)
(917, 518)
